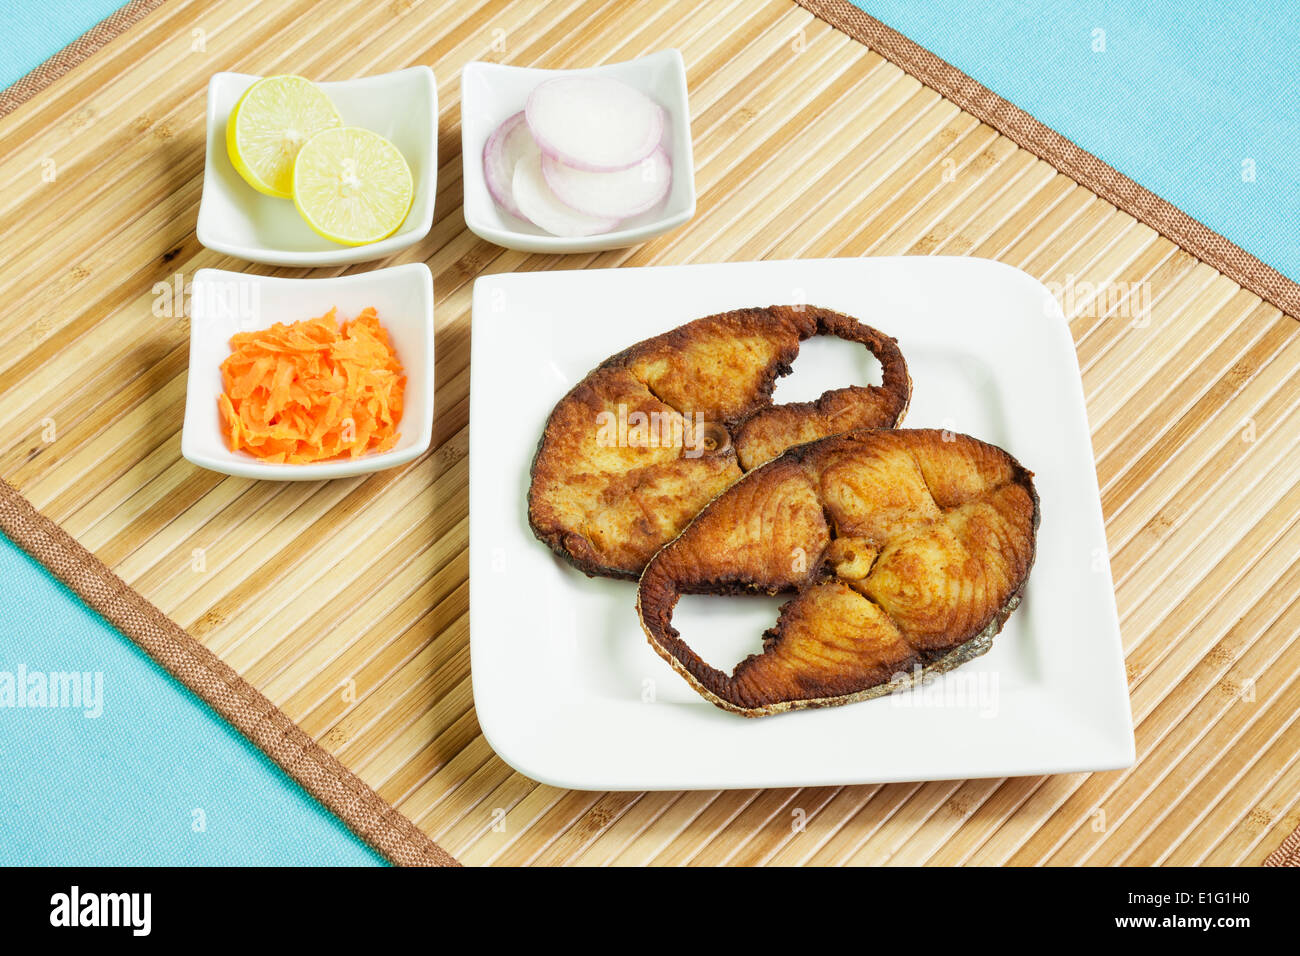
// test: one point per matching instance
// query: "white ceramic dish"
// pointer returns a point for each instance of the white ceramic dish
(223, 303)
(490, 93)
(236, 219)
(568, 691)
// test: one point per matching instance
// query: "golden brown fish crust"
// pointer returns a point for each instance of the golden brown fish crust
(652, 434)
(907, 550)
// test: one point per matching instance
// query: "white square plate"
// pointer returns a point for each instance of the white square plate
(490, 93)
(236, 219)
(223, 303)
(568, 691)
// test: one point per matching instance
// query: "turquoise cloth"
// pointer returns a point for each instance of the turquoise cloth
(156, 778)
(1183, 95)
(35, 31)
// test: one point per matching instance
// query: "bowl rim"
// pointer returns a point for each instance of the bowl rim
(679, 123)
(420, 225)
(245, 466)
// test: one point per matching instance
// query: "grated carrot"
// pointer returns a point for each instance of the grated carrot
(311, 391)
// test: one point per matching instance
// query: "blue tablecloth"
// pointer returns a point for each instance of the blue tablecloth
(1198, 102)
(131, 768)
(34, 32)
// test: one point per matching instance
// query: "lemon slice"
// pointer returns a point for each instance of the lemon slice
(352, 186)
(269, 124)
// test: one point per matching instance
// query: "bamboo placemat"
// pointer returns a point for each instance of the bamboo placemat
(345, 603)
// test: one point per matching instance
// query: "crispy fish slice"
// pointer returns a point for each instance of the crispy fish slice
(650, 436)
(907, 550)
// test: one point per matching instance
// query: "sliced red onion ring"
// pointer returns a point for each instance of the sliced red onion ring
(594, 123)
(541, 207)
(510, 143)
(616, 195)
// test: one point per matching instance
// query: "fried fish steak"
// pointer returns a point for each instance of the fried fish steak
(639, 446)
(906, 551)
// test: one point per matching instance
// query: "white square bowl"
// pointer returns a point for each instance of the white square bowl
(568, 691)
(490, 93)
(223, 303)
(236, 219)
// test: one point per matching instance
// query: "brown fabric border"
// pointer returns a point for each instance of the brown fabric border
(366, 813)
(1288, 853)
(56, 66)
(1077, 163)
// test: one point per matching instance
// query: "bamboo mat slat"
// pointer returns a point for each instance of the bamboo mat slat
(346, 603)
